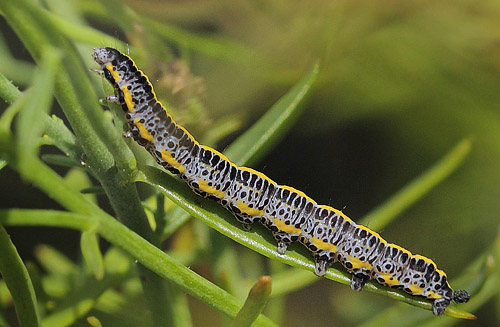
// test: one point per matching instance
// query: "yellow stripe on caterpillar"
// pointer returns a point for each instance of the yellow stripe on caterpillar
(389, 280)
(320, 244)
(433, 295)
(291, 189)
(246, 209)
(209, 189)
(113, 72)
(282, 226)
(258, 173)
(416, 289)
(167, 156)
(357, 263)
(223, 157)
(128, 98)
(145, 134)
(337, 212)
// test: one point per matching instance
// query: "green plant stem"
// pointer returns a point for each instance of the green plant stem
(18, 281)
(149, 255)
(8, 91)
(100, 141)
(254, 304)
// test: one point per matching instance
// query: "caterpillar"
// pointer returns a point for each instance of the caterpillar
(253, 197)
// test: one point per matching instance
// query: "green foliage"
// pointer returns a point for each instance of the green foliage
(381, 66)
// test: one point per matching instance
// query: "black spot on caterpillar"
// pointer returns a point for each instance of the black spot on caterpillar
(253, 197)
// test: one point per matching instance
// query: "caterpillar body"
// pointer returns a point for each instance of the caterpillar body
(253, 197)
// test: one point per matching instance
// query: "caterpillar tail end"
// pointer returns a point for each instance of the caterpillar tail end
(439, 305)
(461, 296)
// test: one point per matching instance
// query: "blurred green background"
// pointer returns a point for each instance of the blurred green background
(400, 84)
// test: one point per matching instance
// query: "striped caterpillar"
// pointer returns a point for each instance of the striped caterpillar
(252, 197)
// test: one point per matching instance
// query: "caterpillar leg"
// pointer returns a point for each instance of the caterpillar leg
(439, 306)
(358, 281)
(246, 227)
(321, 267)
(282, 246)
(99, 72)
(284, 240)
(113, 99)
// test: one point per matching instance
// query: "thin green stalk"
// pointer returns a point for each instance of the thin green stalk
(84, 34)
(254, 304)
(54, 127)
(28, 125)
(147, 254)
(100, 141)
(60, 136)
(8, 91)
(18, 281)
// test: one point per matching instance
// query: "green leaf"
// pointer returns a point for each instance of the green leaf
(8, 91)
(11, 111)
(150, 256)
(18, 281)
(39, 101)
(89, 243)
(254, 304)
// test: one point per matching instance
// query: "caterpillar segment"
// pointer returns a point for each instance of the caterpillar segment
(317, 236)
(249, 195)
(286, 213)
(253, 197)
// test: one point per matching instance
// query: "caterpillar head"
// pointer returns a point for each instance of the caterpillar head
(105, 55)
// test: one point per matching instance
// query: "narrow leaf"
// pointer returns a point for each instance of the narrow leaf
(89, 244)
(8, 91)
(254, 304)
(29, 123)
(150, 256)
(18, 281)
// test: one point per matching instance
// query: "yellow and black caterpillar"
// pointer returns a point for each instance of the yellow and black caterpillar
(253, 197)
